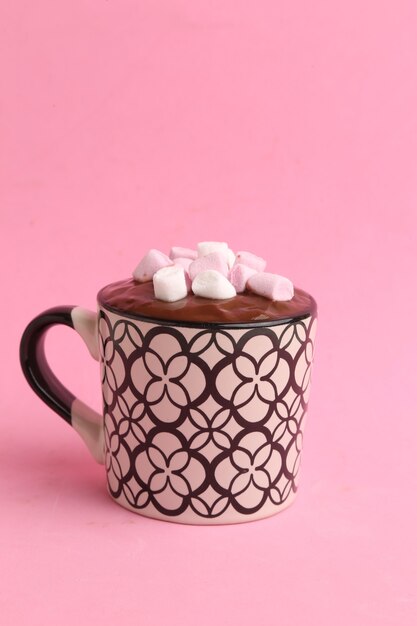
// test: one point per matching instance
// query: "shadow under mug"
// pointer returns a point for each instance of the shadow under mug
(202, 422)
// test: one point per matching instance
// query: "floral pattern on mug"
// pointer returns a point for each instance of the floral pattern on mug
(249, 470)
(204, 423)
(252, 386)
(168, 378)
(170, 471)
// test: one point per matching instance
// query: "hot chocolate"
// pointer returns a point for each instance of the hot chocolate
(139, 299)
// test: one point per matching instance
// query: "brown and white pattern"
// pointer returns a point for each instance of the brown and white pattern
(204, 425)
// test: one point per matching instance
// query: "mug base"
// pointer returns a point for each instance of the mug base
(190, 518)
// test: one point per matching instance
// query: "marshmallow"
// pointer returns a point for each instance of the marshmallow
(231, 258)
(207, 247)
(188, 281)
(213, 284)
(151, 263)
(178, 252)
(251, 260)
(239, 275)
(271, 286)
(169, 284)
(183, 262)
(213, 261)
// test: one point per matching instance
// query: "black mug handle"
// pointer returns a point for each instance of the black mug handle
(87, 422)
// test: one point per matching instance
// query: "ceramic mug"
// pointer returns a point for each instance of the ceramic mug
(202, 422)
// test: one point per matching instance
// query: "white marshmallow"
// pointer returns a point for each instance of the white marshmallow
(213, 284)
(170, 284)
(239, 276)
(151, 263)
(206, 247)
(271, 286)
(213, 261)
(251, 260)
(231, 258)
(177, 251)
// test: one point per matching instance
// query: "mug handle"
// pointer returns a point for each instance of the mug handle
(87, 422)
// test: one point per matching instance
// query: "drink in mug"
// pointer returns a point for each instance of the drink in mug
(204, 398)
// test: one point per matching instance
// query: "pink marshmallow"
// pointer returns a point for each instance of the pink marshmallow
(188, 281)
(183, 262)
(239, 275)
(178, 252)
(271, 286)
(153, 261)
(251, 260)
(213, 261)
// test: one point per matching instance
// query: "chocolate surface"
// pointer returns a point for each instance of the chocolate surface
(138, 299)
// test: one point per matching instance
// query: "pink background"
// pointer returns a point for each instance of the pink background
(285, 127)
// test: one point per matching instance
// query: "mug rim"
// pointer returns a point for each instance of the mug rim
(208, 325)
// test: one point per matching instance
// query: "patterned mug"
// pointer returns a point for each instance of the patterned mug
(202, 422)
